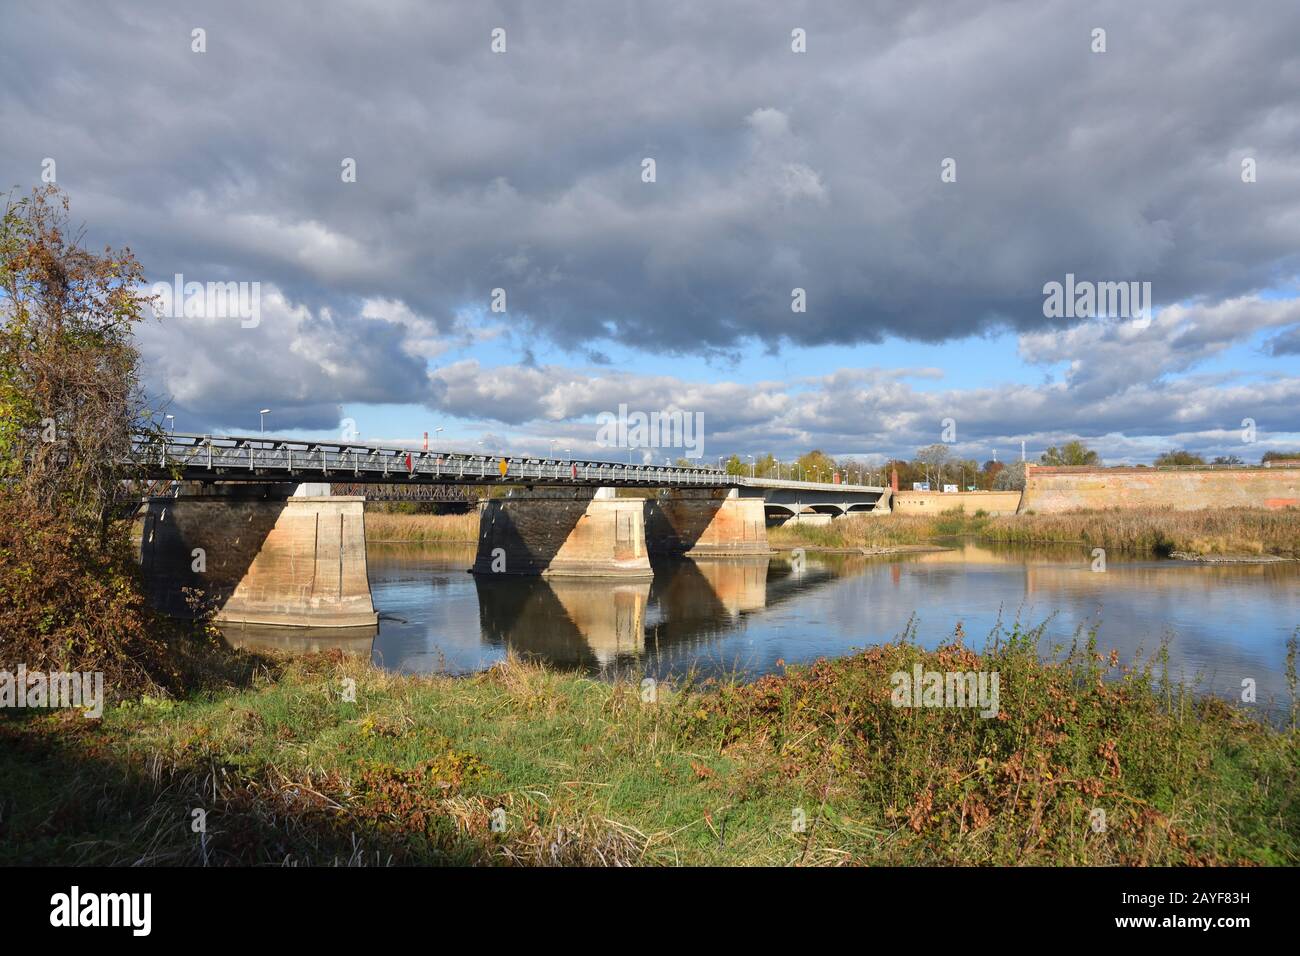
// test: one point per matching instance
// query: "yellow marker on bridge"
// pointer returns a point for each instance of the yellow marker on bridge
(504, 467)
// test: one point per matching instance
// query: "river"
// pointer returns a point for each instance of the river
(1223, 623)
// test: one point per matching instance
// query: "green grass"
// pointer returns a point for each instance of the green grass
(587, 772)
(879, 531)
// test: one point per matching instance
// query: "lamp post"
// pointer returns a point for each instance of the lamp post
(262, 413)
(172, 420)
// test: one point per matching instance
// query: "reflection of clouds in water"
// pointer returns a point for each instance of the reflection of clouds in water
(720, 616)
(1223, 622)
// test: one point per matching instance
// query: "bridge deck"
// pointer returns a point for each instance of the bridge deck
(270, 460)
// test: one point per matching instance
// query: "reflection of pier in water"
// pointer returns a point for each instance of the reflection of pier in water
(599, 624)
(352, 641)
(567, 621)
(594, 624)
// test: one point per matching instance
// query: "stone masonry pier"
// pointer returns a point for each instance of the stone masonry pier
(577, 533)
(259, 557)
(703, 523)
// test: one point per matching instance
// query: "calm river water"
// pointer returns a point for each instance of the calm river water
(1223, 622)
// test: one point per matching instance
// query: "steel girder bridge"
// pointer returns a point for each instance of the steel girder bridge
(263, 459)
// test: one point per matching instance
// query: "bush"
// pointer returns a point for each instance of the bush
(69, 604)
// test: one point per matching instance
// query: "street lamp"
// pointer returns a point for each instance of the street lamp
(263, 412)
(172, 419)
(753, 466)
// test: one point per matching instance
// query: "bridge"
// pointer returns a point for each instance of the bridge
(209, 458)
(264, 541)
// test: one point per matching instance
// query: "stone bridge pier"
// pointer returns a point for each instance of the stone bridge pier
(258, 555)
(698, 523)
(593, 533)
(569, 532)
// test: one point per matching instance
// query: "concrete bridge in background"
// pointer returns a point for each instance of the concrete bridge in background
(264, 542)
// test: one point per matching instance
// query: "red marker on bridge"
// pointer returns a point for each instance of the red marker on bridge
(408, 461)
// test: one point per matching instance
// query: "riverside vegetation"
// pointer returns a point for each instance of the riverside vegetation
(1225, 531)
(421, 528)
(1086, 763)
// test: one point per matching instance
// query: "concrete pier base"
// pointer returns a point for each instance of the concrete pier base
(297, 561)
(569, 533)
(700, 524)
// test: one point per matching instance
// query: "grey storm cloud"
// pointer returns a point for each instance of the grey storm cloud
(1285, 343)
(775, 170)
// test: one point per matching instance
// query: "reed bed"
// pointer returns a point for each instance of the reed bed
(1211, 532)
(440, 529)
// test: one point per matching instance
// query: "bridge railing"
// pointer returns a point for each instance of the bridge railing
(210, 457)
(270, 459)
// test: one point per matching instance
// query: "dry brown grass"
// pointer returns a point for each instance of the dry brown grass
(1219, 531)
(457, 529)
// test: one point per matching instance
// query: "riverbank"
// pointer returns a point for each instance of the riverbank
(324, 760)
(1232, 532)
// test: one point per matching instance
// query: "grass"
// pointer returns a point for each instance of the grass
(877, 531)
(1227, 531)
(415, 769)
(452, 528)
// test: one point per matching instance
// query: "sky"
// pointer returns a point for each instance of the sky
(376, 172)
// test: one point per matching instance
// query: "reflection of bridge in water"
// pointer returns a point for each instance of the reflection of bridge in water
(598, 625)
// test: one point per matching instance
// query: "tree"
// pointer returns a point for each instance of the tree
(907, 471)
(1180, 459)
(765, 467)
(1227, 460)
(932, 458)
(1073, 453)
(991, 471)
(1010, 478)
(855, 471)
(1279, 456)
(970, 470)
(815, 466)
(69, 385)
(69, 401)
